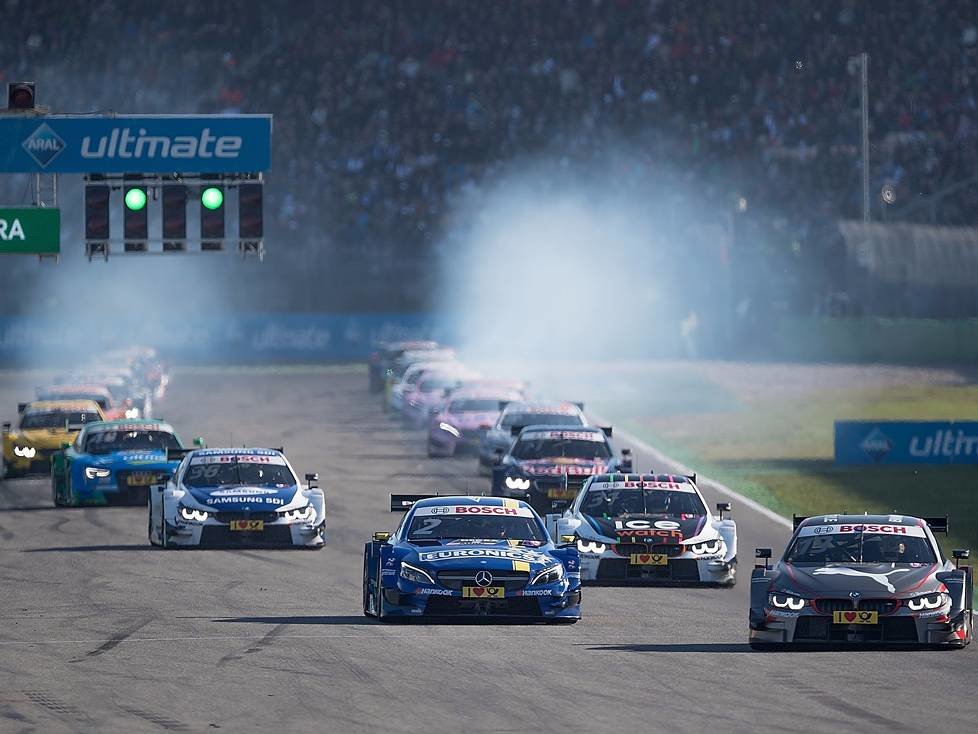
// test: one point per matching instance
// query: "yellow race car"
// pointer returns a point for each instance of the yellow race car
(43, 426)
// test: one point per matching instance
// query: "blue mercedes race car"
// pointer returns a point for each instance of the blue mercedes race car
(470, 557)
(113, 462)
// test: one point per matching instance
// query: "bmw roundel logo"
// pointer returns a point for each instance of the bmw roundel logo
(440, 510)
(483, 578)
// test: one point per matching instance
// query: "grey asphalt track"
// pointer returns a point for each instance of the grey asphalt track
(101, 632)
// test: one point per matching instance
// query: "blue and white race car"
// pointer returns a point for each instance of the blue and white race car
(236, 497)
(469, 556)
(113, 462)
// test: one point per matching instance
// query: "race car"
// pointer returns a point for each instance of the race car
(409, 359)
(430, 392)
(465, 417)
(547, 465)
(96, 392)
(524, 413)
(114, 462)
(236, 497)
(649, 529)
(405, 388)
(864, 580)
(469, 557)
(43, 427)
(382, 359)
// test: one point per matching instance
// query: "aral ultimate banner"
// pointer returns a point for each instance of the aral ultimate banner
(906, 442)
(136, 144)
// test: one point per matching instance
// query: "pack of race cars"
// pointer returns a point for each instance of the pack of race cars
(562, 507)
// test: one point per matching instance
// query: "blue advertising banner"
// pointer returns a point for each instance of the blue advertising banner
(906, 442)
(136, 144)
(214, 338)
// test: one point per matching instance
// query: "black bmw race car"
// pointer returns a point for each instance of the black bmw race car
(862, 579)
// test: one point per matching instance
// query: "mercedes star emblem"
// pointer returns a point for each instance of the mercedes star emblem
(483, 578)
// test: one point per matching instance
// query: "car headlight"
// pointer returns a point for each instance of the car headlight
(415, 575)
(449, 428)
(590, 546)
(707, 547)
(301, 514)
(94, 472)
(786, 601)
(549, 575)
(517, 483)
(931, 601)
(189, 513)
(26, 452)
(132, 413)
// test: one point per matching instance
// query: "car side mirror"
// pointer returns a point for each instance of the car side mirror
(566, 540)
(65, 445)
(764, 553)
(199, 442)
(960, 554)
(381, 537)
(723, 507)
(312, 480)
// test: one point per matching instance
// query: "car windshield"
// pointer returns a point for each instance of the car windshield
(638, 501)
(541, 419)
(859, 547)
(57, 418)
(568, 448)
(483, 527)
(238, 473)
(432, 384)
(105, 442)
(473, 405)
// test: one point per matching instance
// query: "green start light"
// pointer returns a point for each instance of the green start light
(135, 199)
(212, 197)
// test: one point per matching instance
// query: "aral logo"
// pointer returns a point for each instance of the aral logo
(876, 444)
(44, 145)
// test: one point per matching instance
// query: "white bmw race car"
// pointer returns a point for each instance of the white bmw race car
(649, 528)
(236, 497)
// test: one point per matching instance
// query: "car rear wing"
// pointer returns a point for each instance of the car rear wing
(20, 407)
(177, 454)
(404, 502)
(937, 524)
(797, 520)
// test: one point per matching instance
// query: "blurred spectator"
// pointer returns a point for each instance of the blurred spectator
(388, 111)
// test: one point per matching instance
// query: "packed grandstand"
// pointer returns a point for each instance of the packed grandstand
(387, 115)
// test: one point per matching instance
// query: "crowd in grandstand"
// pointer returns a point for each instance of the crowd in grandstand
(387, 112)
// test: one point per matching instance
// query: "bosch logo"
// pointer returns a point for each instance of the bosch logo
(483, 578)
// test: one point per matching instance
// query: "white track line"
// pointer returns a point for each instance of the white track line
(660, 458)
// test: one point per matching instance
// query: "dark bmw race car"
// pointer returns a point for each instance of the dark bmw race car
(469, 556)
(862, 579)
(548, 465)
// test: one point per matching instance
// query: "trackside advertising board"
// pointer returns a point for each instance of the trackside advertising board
(136, 144)
(906, 442)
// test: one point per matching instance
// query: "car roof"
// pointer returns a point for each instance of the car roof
(41, 406)
(543, 406)
(643, 478)
(139, 422)
(550, 428)
(909, 520)
(469, 500)
(239, 451)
